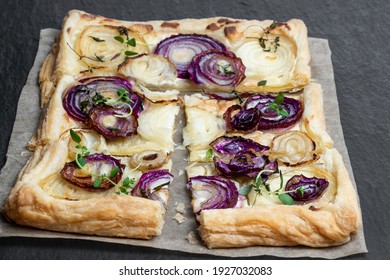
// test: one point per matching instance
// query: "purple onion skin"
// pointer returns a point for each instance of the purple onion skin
(313, 188)
(238, 156)
(85, 181)
(244, 164)
(204, 69)
(231, 145)
(255, 114)
(124, 127)
(86, 90)
(196, 42)
(149, 181)
(226, 194)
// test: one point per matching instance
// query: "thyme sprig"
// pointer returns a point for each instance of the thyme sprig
(260, 186)
(127, 41)
(265, 42)
(82, 151)
(278, 106)
(122, 99)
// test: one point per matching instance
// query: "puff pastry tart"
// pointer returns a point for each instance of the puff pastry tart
(263, 171)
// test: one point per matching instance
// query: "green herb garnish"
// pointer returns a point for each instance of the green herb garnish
(262, 83)
(99, 178)
(96, 39)
(226, 69)
(277, 106)
(130, 53)
(132, 42)
(209, 153)
(119, 39)
(286, 199)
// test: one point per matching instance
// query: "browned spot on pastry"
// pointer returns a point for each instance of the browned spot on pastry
(231, 33)
(312, 208)
(142, 28)
(89, 16)
(285, 24)
(213, 27)
(170, 24)
(227, 21)
(68, 30)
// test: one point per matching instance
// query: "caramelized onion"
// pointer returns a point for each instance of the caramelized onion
(181, 48)
(98, 164)
(154, 185)
(240, 156)
(149, 160)
(212, 192)
(112, 122)
(293, 148)
(310, 188)
(149, 69)
(214, 67)
(256, 114)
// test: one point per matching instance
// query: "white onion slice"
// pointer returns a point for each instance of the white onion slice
(149, 69)
(292, 148)
(274, 67)
(110, 51)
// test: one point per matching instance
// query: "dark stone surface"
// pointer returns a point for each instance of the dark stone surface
(358, 35)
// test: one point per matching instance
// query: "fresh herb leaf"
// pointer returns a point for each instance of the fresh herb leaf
(286, 199)
(132, 42)
(226, 69)
(209, 153)
(126, 182)
(99, 58)
(277, 106)
(245, 189)
(81, 162)
(75, 136)
(114, 171)
(130, 53)
(262, 83)
(98, 182)
(300, 190)
(273, 106)
(119, 39)
(98, 98)
(96, 39)
(279, 99)
(282, 112)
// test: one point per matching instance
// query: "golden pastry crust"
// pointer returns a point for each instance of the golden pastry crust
(232, 32)
(110, 215)
(282, 225)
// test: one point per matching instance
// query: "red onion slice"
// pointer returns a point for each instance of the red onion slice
(153, 185)
(212, 192)
(310, 189)
(79, 99)
(109, 122)
(180, 49)
(215, 67)
(231, 145)
(256, 114)
(96, 164)
(238, 156)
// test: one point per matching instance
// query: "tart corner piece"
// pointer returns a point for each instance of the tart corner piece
(283, 225)
(40, 200)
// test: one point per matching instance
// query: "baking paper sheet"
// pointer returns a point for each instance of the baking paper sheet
(174, 234)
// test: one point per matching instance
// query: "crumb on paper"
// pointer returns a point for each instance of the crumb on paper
(181, 172)
(180, 218)
(180, 147)
(191, 237)
(181, 208)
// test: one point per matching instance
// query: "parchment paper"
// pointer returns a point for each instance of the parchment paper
(174, 234)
